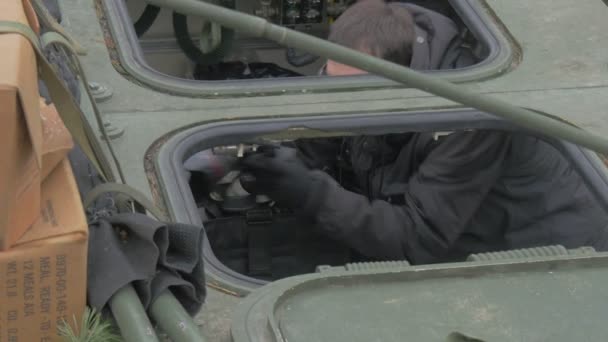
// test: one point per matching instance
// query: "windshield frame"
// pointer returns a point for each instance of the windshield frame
(171, 176)
(475, 15)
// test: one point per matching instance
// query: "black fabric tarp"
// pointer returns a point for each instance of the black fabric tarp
(154, 256)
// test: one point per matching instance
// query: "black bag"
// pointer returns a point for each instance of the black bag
(272, 247)
(239, 71)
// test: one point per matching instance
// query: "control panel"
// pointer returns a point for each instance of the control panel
(301, 15)
(302, 12)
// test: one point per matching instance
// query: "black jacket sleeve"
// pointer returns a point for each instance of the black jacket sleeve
(440, 198)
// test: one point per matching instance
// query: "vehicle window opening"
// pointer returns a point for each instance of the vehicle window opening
(254, 236)
(191, 48)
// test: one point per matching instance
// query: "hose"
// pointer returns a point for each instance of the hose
(192, 51)
(258, 27)
(173, 319)
(130, 316)
(146, 19)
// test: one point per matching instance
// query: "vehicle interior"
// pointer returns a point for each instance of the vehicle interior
(251, 235)
(190, 48)
(255, 237)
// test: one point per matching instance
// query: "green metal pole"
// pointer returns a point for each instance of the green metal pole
(174, 320)
(131, 317)
(258, 27)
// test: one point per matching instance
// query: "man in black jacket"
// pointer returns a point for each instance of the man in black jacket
(402, 33)
(426, 198)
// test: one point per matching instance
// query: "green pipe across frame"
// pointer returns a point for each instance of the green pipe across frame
(258, 27)
(174, 320)
(130, 316)
(170, 315)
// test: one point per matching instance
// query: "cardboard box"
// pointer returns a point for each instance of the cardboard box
(20, 130)
(43, 278)
(56, 139)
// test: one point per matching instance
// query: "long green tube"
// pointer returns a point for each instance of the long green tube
(174, 320)
(131, 317)
(258, 27)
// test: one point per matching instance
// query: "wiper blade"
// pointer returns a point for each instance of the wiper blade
(258, 27)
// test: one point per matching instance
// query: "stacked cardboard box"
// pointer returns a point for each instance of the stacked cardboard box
(20, 131)
(43, 278)
(43, 230)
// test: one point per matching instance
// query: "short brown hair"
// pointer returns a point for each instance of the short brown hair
(384, 30)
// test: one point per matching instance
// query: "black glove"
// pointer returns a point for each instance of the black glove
(280, 174)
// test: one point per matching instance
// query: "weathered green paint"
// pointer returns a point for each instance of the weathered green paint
(544, 298)
(501, 56)
(563, 71)
(259, 27)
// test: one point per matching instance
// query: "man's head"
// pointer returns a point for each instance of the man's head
(381, 29)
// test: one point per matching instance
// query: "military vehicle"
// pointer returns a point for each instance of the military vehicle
(177, 79)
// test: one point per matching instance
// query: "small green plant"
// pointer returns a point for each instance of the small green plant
(92, 328)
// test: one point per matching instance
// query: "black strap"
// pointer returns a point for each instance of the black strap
(260, 242)
(145, 21)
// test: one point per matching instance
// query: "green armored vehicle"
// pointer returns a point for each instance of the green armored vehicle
(185, 87)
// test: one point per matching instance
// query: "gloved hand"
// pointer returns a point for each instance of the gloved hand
(280, 174)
